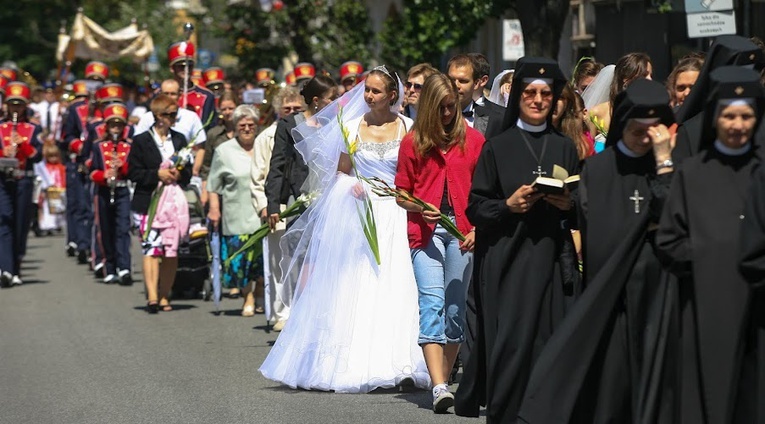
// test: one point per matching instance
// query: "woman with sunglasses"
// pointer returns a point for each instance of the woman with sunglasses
(148, 153)
(229, 185)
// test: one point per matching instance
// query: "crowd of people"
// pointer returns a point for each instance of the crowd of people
(586, 250)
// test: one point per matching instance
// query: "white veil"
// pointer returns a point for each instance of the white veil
(320, 141)
(496, 96)
(598, 91)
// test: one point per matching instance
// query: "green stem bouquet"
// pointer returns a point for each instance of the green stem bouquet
(253, 242)
(381, 188)
(367, 217)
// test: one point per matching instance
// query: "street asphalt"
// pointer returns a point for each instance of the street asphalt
(73, 350)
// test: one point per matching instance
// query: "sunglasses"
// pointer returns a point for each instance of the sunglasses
(417, 87)
(169, 114)
(291, 109)
(243, 125)
(529, 94)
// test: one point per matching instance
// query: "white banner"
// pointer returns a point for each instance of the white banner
(512, 40)
(89, 40)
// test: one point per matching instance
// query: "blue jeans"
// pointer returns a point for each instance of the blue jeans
(442, 272)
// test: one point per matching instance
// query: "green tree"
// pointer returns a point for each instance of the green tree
(426, 29)
(30, 30)
(325, 33)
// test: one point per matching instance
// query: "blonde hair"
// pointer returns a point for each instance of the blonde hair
(429, 132)
(161, 104)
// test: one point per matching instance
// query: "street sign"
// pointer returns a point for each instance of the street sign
(206, 58)
(698, 6)
(711, 24)
(512, 40)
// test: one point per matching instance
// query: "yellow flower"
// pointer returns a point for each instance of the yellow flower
(352, 147)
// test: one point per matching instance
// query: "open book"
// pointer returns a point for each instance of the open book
(557, 183)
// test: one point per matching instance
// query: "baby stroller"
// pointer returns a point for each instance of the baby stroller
(194, 255)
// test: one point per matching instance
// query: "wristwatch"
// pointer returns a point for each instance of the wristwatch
(666, 164)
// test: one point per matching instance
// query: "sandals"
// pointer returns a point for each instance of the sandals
(152, 307)
(166, 307)
(248, 310)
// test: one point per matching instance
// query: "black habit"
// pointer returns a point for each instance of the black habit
(519, 276)
(752, 267)
(725, 51)
(605, 361)
(522, 261)
(699, 238)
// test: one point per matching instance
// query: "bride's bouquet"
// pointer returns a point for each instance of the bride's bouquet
(381, 188)
(367, 217)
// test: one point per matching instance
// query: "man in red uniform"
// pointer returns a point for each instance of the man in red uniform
(193, 97)
(21, 147)
(111, 196)
(79, 114)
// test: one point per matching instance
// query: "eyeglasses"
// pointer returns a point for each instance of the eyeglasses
(417, 87)
(245, 125)
(292, 109)
(530, 94)
(171, 115)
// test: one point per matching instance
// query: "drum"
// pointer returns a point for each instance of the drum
(56, 197)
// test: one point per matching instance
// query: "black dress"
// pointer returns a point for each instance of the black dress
(520, 271)
(699, 238)
(606, 362)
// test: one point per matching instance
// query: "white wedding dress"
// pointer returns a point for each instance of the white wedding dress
(353, 325)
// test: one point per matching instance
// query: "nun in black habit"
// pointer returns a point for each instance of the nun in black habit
(521, 260)
(606, 362)
(727, 50)
(699, 237)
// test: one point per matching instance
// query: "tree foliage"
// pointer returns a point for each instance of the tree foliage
(323, 32)
(426, 29)
(30, 30)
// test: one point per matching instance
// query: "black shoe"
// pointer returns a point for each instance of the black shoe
(5, 279)
(82, 257)
(71, 250)
(126, 280)
(152, 307)
(99, 271)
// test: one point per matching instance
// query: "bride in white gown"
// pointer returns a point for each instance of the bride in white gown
(353, 324)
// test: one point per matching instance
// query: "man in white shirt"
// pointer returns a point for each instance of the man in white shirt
(187, 123)
(47, 111)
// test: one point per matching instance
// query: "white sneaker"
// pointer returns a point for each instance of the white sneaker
(443, 399)
(16, 281)
(110, 279)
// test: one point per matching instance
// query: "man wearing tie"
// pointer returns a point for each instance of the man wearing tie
(471, 74)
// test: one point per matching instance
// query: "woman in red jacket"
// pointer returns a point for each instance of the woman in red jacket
(436, 162)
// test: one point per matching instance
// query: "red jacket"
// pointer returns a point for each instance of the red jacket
(424, 176)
